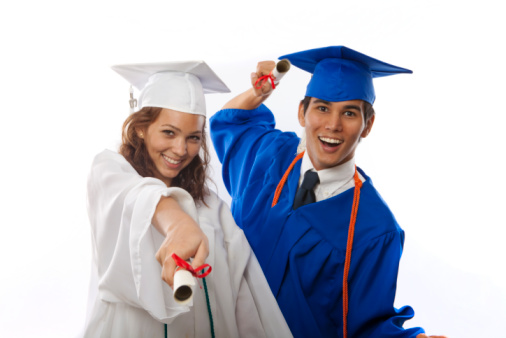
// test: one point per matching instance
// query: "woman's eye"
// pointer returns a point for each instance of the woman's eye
(168, 132)
(195, 138)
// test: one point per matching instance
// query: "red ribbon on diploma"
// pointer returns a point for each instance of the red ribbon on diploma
(185, 265)
(264, 78)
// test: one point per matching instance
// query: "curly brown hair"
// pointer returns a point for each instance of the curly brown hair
(192, 178)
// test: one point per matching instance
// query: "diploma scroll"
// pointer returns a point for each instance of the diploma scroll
(184, 279)
(183, 286)
(282, 67)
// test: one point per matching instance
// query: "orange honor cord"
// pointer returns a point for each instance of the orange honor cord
(283, 180)
(349, 246)
(351, 232)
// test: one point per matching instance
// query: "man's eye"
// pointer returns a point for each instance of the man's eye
(349, 113)
(323, 108)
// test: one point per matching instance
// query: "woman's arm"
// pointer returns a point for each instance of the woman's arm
(183, 236)
(135, 221)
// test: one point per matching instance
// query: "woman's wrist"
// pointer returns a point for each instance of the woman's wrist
(167, 214)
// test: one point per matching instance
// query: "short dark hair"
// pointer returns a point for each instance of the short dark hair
(368, 108)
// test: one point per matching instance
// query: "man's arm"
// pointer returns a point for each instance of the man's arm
(243, 130)
(255, 96)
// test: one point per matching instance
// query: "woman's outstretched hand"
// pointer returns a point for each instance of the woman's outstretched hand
(183, 237)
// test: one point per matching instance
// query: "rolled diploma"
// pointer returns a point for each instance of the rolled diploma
(282, 67)
(183, 287)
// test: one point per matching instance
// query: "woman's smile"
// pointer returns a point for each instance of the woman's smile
(172, 141)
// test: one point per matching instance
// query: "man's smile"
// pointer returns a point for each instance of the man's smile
(330, 142)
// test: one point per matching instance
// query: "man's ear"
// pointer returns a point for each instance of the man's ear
(368, 127)
(302, 120)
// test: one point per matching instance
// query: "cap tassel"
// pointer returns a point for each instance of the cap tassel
(132, 101)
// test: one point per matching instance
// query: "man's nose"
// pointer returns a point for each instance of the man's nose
(334, 122)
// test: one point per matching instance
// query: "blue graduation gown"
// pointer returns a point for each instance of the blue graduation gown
(302, 252)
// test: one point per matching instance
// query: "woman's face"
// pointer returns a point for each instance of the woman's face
(172, 141)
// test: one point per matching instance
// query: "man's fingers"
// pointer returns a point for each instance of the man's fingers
(254, 78)
(266, 86)
(263, 87)
(265, 67)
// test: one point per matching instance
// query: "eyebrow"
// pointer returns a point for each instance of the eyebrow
(179, 130)
(321, 101)
(349, 106)
(352, 106)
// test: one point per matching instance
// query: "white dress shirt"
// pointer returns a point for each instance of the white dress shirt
(333, 181)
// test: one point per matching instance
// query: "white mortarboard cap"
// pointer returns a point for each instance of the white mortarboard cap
(173, 85)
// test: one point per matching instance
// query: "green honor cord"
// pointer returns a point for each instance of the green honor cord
(208, 311)
(209, 308)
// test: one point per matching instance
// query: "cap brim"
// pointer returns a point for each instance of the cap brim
(307, 60)
(138, 73)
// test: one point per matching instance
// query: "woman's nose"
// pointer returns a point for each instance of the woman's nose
(179, 147)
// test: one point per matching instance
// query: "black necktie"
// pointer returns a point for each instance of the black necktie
(305, 194)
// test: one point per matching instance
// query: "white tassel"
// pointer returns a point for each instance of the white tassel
(132, 101)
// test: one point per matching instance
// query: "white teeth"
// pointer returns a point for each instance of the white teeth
(330, 140)
(171, 160)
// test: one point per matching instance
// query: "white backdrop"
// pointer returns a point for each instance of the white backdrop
(435, 152)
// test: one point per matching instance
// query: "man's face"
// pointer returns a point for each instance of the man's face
(333, 130)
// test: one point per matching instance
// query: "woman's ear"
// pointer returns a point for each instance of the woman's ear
(140, 133)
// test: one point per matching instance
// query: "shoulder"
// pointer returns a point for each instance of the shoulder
(216, 213)
(211, 201)
(108, 155)
(212, 204)
(374, 209)
(112, 159)
(110, 170)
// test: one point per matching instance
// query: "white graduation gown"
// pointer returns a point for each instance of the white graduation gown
(127, 296)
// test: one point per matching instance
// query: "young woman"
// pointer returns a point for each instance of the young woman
(150, 201)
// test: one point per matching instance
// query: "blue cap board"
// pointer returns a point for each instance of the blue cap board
(341, 74)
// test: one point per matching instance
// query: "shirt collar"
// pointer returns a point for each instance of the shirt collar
(336, 176)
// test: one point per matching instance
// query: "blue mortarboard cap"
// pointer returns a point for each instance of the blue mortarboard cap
(341, 74)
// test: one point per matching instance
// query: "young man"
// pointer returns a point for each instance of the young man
(327, 243)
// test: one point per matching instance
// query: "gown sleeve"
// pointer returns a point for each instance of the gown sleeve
(373, 285)
(121, 205)
(246, 141)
